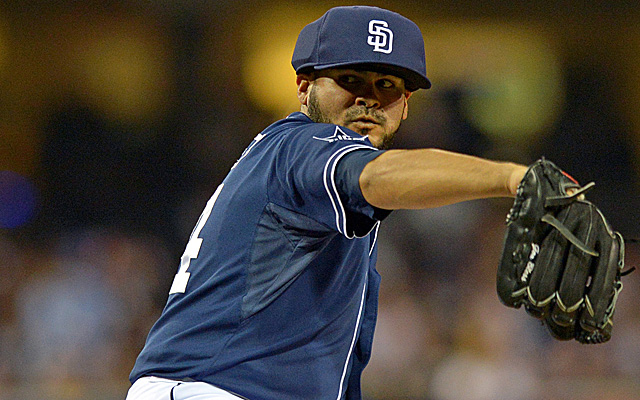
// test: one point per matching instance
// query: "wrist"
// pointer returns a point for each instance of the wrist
(515, 177)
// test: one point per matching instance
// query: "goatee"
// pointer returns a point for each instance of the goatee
(315, 113)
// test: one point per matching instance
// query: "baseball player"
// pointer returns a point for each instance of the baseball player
(276, 293)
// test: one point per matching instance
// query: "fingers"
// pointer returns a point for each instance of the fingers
(570, 294)
(559, 289)
(603, 289)
(584, 299)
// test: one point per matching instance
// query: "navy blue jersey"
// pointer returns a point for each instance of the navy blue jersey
(276, 294)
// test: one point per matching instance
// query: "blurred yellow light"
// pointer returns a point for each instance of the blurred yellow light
(512, 72)
(269, 39)
(269, 81)
(512, 76)
(124, 70)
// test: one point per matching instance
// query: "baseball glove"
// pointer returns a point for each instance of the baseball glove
(560, 258)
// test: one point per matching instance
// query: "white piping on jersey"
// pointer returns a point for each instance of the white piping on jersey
(355, 334)
(332, 191)
(246, 151)
(375, 238)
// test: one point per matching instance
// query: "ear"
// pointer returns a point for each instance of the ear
(405, 112)
(304, 82)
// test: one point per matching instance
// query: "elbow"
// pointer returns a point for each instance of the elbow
(372, 187)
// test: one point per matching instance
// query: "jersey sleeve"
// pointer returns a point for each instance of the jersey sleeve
(361, 215)
(314, 180)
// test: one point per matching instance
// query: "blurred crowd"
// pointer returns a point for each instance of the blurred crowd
(76, 312)
(85, 279)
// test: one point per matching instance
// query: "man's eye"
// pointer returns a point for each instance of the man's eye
(386, 84)
(348, 79)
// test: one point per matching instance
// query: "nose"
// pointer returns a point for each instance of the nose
(367, 97)
(367, 102)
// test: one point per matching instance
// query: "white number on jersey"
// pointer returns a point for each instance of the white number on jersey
(193, 247)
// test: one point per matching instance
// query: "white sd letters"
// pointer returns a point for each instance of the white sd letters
(381, 37)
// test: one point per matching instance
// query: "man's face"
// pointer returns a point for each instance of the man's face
(370, 103)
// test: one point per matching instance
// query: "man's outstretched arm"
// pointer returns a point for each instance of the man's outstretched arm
(426, 178)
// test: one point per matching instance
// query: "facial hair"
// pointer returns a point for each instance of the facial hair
(313, 109)
(316, 114)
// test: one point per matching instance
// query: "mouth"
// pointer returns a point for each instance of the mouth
(367, 121)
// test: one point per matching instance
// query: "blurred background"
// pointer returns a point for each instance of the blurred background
(118, 119)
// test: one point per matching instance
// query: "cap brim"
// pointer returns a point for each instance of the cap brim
(413, 80)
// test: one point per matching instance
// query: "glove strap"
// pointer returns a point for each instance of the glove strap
(553, 221)
(556, 201)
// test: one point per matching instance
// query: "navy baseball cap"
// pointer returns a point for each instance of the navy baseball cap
(364, 37)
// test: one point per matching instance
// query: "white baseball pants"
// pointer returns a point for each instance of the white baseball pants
(153, 388)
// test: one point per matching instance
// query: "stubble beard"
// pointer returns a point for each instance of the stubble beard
(316, 114)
